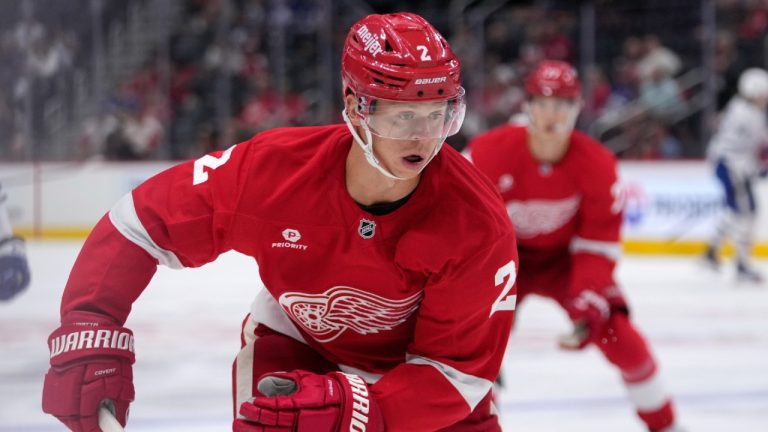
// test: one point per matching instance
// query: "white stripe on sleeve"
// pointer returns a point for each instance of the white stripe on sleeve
(124, 218)
(473, 389)
(610, 250)
(368, 377)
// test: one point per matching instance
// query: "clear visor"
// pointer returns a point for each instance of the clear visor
(413, 120)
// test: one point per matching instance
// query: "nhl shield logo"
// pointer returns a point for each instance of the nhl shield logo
(367, 228)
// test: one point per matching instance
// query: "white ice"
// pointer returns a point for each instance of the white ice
(710, 336)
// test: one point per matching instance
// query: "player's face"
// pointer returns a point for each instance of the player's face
(404, 158)
(407, 134)
(552, 121)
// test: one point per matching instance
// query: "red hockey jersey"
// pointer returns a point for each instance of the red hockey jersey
(572, 208)
(419, 301)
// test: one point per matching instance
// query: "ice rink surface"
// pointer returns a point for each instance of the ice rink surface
(710, 336)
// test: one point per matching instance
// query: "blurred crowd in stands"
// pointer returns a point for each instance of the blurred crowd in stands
(42, 44)
(231, 68)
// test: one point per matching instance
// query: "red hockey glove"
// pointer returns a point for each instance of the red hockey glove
(589, 312)
(301, 401)
(91, 358)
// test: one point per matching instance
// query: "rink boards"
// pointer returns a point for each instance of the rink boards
(670, 207)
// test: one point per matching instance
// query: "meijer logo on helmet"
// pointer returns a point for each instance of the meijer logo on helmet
(372, 45)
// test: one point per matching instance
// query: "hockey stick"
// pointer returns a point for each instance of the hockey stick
(683, 227)
(107, 421)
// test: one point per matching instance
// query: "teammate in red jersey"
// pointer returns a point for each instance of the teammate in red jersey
(561, 192)
(388, 264)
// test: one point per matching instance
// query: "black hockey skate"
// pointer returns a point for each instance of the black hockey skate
(745, 273)
(711, 259)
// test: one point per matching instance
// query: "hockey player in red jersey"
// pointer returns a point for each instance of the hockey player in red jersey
(561, 192)
(388, 263)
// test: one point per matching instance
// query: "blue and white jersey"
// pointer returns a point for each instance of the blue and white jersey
(743, 131)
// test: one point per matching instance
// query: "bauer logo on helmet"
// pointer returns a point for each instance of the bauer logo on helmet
(437, 80)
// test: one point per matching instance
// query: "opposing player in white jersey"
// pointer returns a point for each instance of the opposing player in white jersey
(735, 153)
(387, 259)
(14, 270)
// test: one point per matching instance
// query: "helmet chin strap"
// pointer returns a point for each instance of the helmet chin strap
(367, 147)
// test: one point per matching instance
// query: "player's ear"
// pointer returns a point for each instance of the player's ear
(350, 105)
(579, 105)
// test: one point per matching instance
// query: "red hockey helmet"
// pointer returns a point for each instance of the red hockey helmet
(554, 78)
(399, 57)
(406, 81)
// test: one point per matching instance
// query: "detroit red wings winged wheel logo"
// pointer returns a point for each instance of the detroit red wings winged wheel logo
(326, 316)
(539, 217)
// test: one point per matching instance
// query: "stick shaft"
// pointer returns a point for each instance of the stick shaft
(108, 422)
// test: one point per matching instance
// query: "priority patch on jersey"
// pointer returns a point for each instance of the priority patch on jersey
(292, 236)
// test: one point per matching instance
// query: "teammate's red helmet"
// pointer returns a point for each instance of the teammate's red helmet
(554, 78)
(399, 57)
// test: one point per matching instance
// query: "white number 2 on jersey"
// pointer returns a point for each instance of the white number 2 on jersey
(199, 175)
(505, 302)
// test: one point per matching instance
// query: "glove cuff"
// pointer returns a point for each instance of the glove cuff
(360, 410)
(87, 334)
